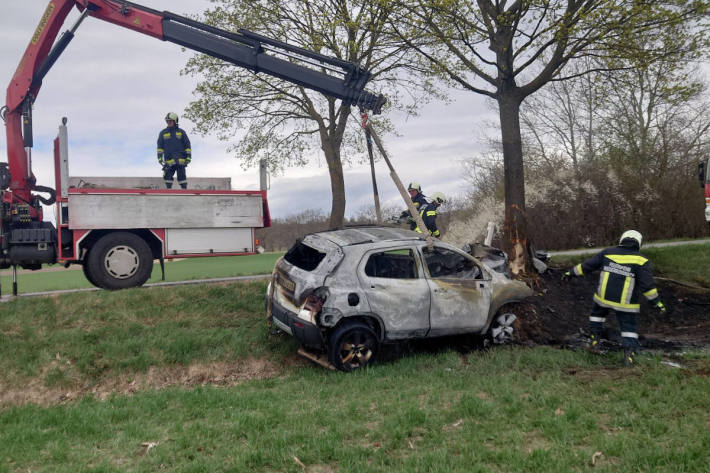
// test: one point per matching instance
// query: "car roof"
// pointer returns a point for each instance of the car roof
(367, 234)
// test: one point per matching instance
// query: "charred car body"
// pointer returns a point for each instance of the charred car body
(344, 292)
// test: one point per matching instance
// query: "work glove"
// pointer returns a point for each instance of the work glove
(566, 276)
(660, 307)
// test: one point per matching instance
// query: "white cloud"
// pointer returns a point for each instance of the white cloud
(115, 86)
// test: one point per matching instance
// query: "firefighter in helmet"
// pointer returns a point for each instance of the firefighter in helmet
(428, 214)
(174, 151)
(625, 275)
(418, 199)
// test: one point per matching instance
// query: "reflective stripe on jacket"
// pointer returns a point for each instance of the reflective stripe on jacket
(428, 215)
(174, 146)
(625, 274)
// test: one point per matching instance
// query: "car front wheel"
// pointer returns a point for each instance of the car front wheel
(352, 346)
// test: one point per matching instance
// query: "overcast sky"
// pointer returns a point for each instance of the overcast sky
(115, 86)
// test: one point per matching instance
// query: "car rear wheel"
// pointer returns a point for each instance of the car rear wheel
(352, 346)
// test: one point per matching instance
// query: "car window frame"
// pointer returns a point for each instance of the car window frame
(419, 266)
(486, 276)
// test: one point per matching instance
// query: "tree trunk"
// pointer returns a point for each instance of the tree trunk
(337, 184)
(516, 240)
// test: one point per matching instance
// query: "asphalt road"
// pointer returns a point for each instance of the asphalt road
(7, 297)
(645, 245)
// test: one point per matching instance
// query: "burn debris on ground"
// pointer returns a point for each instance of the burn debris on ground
(559, 312)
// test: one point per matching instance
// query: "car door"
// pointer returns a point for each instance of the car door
(397, 291)
(460, 291)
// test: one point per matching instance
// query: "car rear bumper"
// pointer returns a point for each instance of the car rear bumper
(305, 332)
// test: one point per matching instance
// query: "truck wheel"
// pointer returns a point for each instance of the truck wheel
(352, 346)
(88, 275)
(119, 260)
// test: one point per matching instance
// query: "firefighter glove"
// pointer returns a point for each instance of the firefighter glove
(660, 307)
(566, 276)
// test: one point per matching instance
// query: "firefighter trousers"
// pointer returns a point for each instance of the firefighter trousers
(181, 176)
(627, 325)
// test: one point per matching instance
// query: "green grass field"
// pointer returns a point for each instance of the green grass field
(189, 379)
(185, 269)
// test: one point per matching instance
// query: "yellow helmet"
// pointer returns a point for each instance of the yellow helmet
(633, 235)
(438, 197)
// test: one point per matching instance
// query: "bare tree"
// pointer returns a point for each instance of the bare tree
(508, 50)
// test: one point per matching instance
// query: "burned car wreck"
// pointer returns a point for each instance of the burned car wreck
(345, 292)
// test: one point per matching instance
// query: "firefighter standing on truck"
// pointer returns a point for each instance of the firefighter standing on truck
(174, 152)
(625, 274)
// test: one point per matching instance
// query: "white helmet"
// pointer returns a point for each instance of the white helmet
(414, 186)
(438, 197)
(171, 116)
(633, 235)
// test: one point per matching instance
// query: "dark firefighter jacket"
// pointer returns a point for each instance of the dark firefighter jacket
(419, 203)
(624, 275)
(428, 215)
(174, 146)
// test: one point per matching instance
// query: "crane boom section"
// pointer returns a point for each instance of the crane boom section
(345, 81)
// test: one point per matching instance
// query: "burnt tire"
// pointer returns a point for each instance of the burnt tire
(118, 261)
(352, 346)
(501, 330)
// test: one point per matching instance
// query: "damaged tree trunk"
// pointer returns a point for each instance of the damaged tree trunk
(516, 243)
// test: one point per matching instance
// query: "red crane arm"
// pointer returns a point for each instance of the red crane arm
(331, 76)
(35, 63)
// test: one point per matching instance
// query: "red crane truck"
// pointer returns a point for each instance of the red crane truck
(117, 233)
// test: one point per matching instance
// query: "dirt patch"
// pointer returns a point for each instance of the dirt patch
(555, 315)
(214, 374)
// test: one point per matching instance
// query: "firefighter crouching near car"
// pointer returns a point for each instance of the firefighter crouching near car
(624, 275)
(419, 201)
(428, 214)
(174, 152)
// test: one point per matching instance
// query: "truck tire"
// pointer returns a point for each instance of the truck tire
(119, 260)
(88, 275)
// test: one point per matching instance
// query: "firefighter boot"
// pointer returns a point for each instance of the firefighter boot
(593, 345)
(629, 357)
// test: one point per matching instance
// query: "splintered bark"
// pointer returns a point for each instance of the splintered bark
(515, 228)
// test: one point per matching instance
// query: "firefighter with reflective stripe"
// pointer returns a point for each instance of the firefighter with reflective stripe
(418, 199)
(174, 151)
(625, 275)
(428, 214)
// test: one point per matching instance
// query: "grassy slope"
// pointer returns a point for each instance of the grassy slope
(192, 268)
(505, 410)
